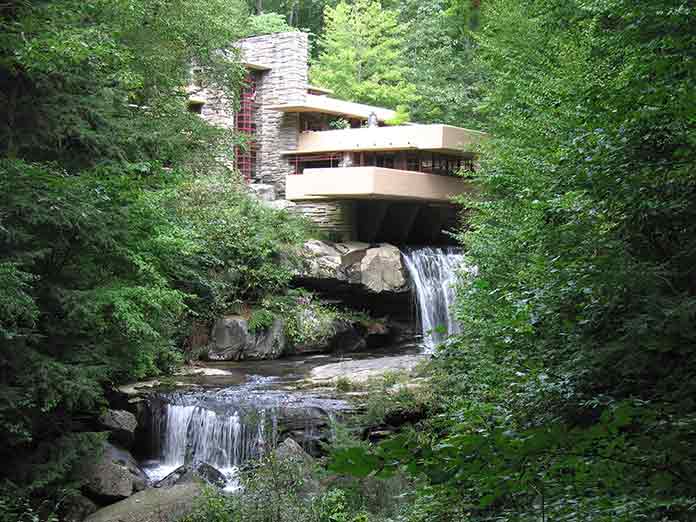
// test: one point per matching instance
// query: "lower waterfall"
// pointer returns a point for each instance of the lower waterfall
(230, 427)
(433, 274)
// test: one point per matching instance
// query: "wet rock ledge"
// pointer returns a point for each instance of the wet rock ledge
(353, 267)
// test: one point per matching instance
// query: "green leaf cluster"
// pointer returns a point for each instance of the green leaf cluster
(361, 55)
(569, 394)
(120, 224)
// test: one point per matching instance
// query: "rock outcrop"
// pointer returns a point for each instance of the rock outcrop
(187, 474)
(262, 191)
(290, 451)
(362, 370)
(121, 425)
(232, 340)
(113, 475)
(152, 505)
(77, 508)
(344, 337)
(372, 269)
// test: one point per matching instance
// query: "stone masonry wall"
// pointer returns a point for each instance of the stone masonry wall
(333, 217)
(218, 110)
(286, 55)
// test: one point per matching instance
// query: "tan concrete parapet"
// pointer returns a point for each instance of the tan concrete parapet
(373, 183)
(443, 138)
(326, 105)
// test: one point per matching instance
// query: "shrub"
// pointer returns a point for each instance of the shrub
(260, 320)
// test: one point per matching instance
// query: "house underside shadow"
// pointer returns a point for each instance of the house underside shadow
(404, 223)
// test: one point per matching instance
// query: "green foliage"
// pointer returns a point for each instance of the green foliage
(569, 394)
(274, 491)
(19, 509)
(118, 226)
(339, 123)
(305, 14)
(260, 320)
(343, 385)
(213, 506)
(361, 56)
(307, 320)
(402, 116)
(130, 56)
(267, 23)
(233, 248)
(440, 49)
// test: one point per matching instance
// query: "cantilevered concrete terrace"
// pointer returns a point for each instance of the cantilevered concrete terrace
(325, 105)
(373, 183)
(444, 138)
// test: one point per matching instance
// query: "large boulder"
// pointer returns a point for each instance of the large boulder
(362, 370)
(121, 425)
(233, 341)
(77, 508)
(290, 451)
(113, 475)
(153, 505)
(380, 270)
(372, 269)
(341, 336)
(186, 474)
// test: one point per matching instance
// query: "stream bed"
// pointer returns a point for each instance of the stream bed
(233, 413)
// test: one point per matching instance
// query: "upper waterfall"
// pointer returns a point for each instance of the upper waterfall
(433, 273)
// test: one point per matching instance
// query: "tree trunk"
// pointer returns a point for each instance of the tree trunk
(259, 6)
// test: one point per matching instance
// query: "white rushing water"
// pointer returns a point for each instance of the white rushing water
(186, 433)
(229, 427)
(433, 274)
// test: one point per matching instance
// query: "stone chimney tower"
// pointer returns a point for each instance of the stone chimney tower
(279, 65)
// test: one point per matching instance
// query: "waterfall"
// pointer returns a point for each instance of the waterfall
(184, 433)
(223, 440)
(433, 274)
(229, 427)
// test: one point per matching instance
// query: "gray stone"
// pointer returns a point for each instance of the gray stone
(344, 337)
(232, 340)
(113, 475)
(360, 371)
(152, 505)
(281, 204)
(285, 55)
(121, 425)
(290, 450)
(263, 191)
(77, 508)
(380, 270)
(269, 343)
(230, 337)
(373, 270)
(187, 474)
(335, 218)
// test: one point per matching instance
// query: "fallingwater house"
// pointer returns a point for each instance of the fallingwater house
(339, 162)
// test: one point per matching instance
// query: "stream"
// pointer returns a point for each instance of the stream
(239, 411)
(236, 412)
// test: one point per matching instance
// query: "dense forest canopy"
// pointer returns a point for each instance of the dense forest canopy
(118, 228)
(569, 394)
